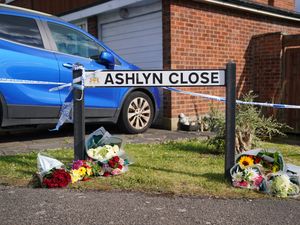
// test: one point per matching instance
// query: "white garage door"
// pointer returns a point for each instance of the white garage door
(138, 40)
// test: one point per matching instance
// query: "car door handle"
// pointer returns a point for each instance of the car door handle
(68, 65)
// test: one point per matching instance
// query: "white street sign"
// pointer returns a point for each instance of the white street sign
(153, 78)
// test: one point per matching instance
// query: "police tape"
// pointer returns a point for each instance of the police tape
(19, 81)
(81, 87)
(67, 106)
(223, 99)
(66, 109)
(73, 84)
(61, 85)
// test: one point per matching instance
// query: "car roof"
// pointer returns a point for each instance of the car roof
(27, 12)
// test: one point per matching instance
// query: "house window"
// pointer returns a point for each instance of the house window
(82, 24)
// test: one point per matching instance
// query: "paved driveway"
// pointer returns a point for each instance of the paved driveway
(40, 139)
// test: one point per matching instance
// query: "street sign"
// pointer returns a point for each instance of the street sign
(153, 78)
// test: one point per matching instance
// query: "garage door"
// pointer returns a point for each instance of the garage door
(138, 40)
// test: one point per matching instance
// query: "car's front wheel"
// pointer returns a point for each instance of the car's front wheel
(137, 113)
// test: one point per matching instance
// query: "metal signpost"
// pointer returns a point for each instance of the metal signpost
(230, 118)
(78, 116)
(154, 78)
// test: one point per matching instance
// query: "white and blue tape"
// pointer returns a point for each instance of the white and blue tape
(66, 110)
(223, 99)
(18, 81)
(67, 107)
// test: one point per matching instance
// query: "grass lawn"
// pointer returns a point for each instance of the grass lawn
(184, 168)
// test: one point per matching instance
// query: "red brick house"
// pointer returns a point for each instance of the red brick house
(261, 36)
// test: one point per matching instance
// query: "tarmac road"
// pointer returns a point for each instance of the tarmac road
(20, 206)
(63, 206)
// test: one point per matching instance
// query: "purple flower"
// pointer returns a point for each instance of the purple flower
(105, 166)
(77, 164)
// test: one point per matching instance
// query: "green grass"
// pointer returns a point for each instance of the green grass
(184, 168)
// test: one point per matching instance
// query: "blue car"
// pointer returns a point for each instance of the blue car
(40, 47)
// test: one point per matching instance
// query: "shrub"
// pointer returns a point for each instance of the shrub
(251, 126)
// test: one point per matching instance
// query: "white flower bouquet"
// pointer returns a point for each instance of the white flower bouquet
(108, 150)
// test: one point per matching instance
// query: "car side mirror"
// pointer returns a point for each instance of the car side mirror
(107, 59)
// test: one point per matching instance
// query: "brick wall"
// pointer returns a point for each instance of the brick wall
(266, 52)
(166, 26)
(283, 4)
(266, 2)
(267, 69)
(93, 25)
(206, 36)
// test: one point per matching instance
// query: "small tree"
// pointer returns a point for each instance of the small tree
(251, 126)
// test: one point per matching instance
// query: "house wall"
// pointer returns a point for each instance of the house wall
(207, 36)
(267, 67)
(283, 4)
(54, 7)
(57, 6)
(267, 71)
(93, 25)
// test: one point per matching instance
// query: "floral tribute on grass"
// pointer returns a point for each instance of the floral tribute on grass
(56, 178)
(84, 170)
(105, 158)
(266, 171)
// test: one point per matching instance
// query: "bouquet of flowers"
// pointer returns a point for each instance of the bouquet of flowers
(56, 178)
(103, 153)
(51, 172)
(46, 163)
(271, 161)
(107, 150)
(265, 171)
(84, 169)
(281, 186)
(248, 177)
(106, 158)
(115, 166)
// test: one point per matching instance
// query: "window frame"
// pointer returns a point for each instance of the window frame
(42, 33)
(82, 22)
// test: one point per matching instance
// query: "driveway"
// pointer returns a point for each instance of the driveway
(29, 140)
